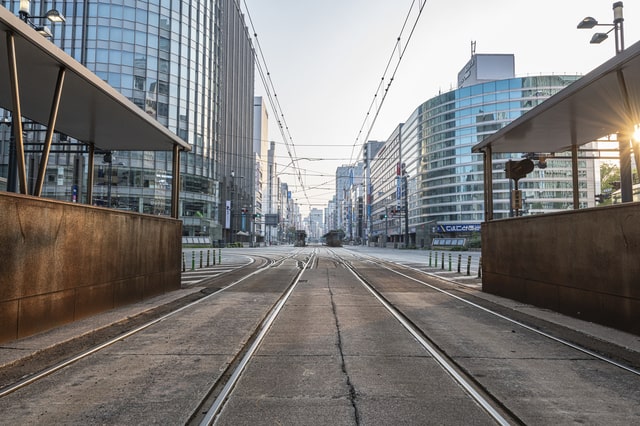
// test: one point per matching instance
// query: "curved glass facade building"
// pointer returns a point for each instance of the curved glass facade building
(445, 180)
(166, 56)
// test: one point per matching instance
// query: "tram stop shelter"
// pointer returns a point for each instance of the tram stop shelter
(582, 262)
(62, 261)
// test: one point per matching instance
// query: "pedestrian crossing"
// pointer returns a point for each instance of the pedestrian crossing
(198, 265)
(468, 279)
(193, 277)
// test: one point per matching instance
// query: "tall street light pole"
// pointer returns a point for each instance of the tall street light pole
(624, 138)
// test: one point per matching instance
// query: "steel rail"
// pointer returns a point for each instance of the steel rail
(489, 311)
(442, 361)
(217, 405)
(34, 378)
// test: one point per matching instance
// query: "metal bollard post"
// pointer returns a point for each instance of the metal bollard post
(469, 266)
(442, 261)
(459, 262)
(208, 256)
(184, 265)
(214, 257)
(200, 259)
(449, 262)
(193, 260)
(480, 268)
(430, 253)
(220, 256)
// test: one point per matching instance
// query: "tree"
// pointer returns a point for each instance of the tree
(609, 180)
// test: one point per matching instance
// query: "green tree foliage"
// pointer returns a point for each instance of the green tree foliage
(609, 180)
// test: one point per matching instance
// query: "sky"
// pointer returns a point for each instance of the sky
(326, 60)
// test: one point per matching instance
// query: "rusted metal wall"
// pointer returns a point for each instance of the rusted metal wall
(583, 263)
(60, 262)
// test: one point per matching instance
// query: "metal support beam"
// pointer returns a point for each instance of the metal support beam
(16, 113)
(53, 116)
(92, 149)
(488, 184)
(175, 187)
(626, 180)
(574, 176)
(624, 140)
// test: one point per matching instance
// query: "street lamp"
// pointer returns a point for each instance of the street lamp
(617, 26)
(52, 15)
(626, 177)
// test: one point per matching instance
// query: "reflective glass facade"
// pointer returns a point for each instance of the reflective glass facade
(445, 180)
(165, 56)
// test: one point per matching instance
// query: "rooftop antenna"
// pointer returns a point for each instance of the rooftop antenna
(473, 48)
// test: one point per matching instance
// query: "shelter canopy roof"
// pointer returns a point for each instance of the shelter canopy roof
(603, 102)
(90, 109)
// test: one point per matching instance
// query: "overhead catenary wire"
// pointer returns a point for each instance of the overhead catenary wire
(379, 90)
(265, 75)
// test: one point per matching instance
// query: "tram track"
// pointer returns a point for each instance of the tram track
(214, 400)
(460, 294)
(28, 371)
(492, 406)
(630, 367)
(337, 343)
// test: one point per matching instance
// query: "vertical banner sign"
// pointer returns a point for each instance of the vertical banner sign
(398, 189)
(244, 221)
(227, 219)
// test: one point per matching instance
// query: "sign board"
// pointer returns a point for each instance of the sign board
(462, 227)
(271, 219)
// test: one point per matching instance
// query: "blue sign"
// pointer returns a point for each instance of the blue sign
(462, 227)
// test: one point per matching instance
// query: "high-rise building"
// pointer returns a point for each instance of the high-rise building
(316, 224)
(189, 64)
(426, 170)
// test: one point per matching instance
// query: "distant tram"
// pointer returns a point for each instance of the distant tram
(334, 238)
(301, 237)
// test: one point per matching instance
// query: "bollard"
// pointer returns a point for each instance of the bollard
(442, 261)
(220, 256)
(200, 259)
(480, 268)
(184, 265)
(449, 262)
(459, 262)
(469, 266)
(193, 260)
(214, 257)
(208, 257)
(430, 253)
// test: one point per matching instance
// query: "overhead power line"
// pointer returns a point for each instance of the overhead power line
(382, 90)
(272, 96)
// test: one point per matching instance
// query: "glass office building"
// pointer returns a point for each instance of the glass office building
(166, 56)
(445, 195)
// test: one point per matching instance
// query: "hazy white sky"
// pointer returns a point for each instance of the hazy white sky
(327, 57)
